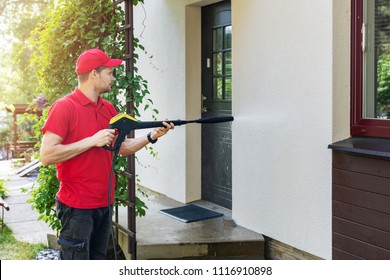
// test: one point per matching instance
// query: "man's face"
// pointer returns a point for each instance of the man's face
(105, 80)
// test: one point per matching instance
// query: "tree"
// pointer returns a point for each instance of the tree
(17, 19)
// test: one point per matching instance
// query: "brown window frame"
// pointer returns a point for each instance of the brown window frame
(361, 126)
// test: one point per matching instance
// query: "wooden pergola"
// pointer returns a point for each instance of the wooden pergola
(16, 147)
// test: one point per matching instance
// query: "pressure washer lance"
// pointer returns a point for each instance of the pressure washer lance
(125, 123)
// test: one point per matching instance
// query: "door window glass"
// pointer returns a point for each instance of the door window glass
(222, 63)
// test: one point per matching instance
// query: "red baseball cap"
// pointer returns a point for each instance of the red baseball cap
(93, 59)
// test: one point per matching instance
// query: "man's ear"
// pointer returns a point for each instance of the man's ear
(93, 73)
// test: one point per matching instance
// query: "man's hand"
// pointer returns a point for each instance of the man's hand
(161, 131)
(133, 145)
(103, 137)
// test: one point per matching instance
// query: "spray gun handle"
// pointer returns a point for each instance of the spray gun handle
(119, 140)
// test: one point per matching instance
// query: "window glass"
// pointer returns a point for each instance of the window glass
(218, 88)
(217, 63)
(376, 59)
(228, 63)
(222, 63)
(217, 39)
(228, 88)
(228, 37)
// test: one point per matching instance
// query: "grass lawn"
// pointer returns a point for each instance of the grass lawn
(12, 249)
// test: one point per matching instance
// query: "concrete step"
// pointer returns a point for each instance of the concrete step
(162, 237)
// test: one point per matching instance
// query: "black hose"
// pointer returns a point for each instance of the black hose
(110, 207)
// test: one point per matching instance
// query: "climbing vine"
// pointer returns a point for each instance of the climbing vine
(71, 28)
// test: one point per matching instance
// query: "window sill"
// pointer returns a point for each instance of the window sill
(364, 146)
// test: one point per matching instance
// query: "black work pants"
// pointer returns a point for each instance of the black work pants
(85, 233)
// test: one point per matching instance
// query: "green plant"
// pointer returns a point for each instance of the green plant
(43, 196)
(75, 26)
(3, 189)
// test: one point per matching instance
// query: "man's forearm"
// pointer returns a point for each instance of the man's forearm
(59, 152)
(133, 145)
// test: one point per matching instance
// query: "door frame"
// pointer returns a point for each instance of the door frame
(193, 79)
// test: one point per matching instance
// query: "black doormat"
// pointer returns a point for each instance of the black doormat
(190, 213)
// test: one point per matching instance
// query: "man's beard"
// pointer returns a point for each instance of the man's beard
(102, 90)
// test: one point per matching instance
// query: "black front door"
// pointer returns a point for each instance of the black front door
(217, 101)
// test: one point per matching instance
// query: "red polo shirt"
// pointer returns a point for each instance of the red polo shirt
(84, 178)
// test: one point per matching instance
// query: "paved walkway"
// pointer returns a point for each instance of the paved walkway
(21, 218)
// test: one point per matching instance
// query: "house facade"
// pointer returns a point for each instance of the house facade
(283, 70)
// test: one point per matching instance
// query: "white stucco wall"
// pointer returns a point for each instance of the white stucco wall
(284, 84)
(341, 68)
(161, 27)
(282, 69)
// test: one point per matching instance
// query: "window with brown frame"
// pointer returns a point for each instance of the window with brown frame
(370, 68)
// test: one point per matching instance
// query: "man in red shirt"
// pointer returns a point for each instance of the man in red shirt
(74, 132)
